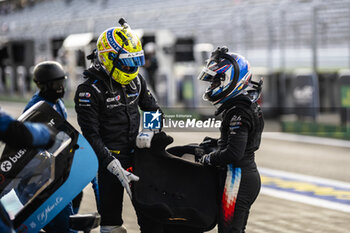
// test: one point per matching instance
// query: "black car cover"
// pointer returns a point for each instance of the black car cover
(175, 190)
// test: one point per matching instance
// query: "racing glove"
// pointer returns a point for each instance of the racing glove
(124, 176)
(210, 142)
(144, 139)
(205, 159)
(160, 141)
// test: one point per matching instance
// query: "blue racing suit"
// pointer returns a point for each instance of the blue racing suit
(58, 106)
(32, 134)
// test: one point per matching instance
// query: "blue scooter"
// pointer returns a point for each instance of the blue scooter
(35, 185)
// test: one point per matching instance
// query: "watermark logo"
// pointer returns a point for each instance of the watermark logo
(152, 120)
(179, 122)
(192, 123)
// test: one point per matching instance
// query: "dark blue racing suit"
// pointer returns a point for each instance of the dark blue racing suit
(241, 130)
(58, 106)
(30, 134)
(109, 117)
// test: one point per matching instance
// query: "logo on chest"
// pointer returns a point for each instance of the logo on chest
(85, 94)
(132, 95)
(113, 99)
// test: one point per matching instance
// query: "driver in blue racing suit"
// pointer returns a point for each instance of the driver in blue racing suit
(50, 78)
(232, 89)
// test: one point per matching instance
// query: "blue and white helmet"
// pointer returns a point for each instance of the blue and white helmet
(229, 75)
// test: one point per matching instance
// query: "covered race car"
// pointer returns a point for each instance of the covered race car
(35, 185)
(174, 189)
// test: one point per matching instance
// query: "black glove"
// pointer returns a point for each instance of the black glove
(205, 159)
(209, 144)
(208, 141)
(160, 141)
(199, 152)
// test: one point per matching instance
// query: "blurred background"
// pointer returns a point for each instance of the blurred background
(300, 47)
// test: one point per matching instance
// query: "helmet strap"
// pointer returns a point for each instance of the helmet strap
(92, 56)
(255, 92)
(112, 70)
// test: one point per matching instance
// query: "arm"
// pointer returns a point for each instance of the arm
(147, 101)
(30, 134)
(87, 108)
(239, 125)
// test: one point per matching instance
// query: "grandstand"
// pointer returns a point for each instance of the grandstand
(245, 26)
(278, 35)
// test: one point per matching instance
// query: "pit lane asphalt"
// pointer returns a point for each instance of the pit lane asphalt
(269, 213)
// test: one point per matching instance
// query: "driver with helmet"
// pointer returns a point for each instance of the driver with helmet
(235, 94)
(107, 105)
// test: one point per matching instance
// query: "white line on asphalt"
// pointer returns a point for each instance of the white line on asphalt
(306, 139)
(305, 178)
(302, 198)
(305, 199)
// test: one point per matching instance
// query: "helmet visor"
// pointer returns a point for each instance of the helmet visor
(210, 76)
(132, 59)
(207, 75)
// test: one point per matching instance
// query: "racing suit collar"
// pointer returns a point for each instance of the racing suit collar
(231, 102)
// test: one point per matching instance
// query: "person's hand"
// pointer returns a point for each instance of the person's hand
(210, 142)
(161, 140)
(205, 159)
(144, 139)
(124, 176)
